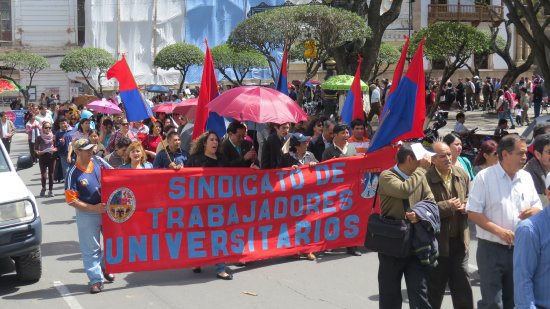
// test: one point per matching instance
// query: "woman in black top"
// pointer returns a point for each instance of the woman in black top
(206, 152)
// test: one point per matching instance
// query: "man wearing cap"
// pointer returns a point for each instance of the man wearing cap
(532, 260)
(449, 185)
(83, 192)
(401, 187)
(500, 197)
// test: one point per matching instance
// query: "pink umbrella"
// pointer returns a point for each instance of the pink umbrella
(187, 108)
(165, 108)
(104, 106)
(258, 104)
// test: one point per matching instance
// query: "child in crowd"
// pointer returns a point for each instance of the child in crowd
(518, 112)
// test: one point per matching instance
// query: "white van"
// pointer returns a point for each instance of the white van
(20, 224)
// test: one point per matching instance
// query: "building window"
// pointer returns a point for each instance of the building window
(81, 22)
(5, 20)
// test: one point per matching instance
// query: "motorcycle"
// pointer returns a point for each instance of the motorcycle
(430, 134)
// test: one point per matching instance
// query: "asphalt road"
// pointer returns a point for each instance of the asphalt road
(335, 280)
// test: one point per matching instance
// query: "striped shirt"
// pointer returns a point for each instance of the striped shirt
(501, 199)
(532, 262)
(360, 145)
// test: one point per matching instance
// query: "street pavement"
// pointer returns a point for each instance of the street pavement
(335, 280)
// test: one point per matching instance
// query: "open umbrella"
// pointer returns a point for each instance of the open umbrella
(187, 108)
(341, 82)
(165, 108)
(158, 88)
(7, 85)
(258, 104)
(104, 106)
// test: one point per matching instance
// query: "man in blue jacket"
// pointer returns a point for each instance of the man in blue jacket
(172, 156)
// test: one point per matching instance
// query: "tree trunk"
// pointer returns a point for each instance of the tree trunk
(183, 74)
(89, 84)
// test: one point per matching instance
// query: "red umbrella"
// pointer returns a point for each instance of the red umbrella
(187, 108)
(165, 108)
(258, 104)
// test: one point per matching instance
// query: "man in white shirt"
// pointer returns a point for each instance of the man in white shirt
(44, 115)
(500, 197)
(375, 106)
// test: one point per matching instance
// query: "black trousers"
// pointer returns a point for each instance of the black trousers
(452, 269)
(7, 143)
(390, 272)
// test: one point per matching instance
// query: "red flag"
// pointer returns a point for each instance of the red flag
(209, 90)
(399, 68)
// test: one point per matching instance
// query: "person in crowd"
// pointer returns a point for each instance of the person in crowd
(432, 98)
(501, 128)
(298, 156)
(487, 92)
(500, 106)
(455, 143)
(477, 91)
(500, 197)
(340, 146)
(375, 106)
(117, 157)
(172, 156)
(186, 134)
(539, 166)
(106, 131)
(7, 130)
(517, 112)
(44, 115)
(449, 185)
(238, 151)
(82, 132)
(532, 259)
(135, 157)
(450, 94)
(400, 187)
(165, 131)
(293, 94)
(460, 93)
(138, 127)
(460, 128)
(151, 141)
(322, 142)
(206, 152)
(524, 105)
(83, 192)
(33, 129)
(469, 89)
(487, 156)
(298, 127)
(358, 139)
(99, 149)
(315, 128)
(537, 97)
(261, 138)
(46, 152)
(508, 105)
(123, 132)
(117, 121)
(63, 139)
(271, 152)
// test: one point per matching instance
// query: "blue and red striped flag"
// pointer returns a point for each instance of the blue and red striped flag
(353, 105)
(209, 90)
(282, 81)
(405, 110)
(135, 105)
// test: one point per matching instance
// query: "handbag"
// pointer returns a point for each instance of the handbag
(389, 236)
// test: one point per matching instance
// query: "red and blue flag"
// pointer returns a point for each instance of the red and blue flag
(135, 105)
(205, 118)
(353, 105)
(405, 110)
(282, 81)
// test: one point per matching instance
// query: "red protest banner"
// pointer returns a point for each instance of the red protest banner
(163, 219)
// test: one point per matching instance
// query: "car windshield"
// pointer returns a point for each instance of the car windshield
(4, 167)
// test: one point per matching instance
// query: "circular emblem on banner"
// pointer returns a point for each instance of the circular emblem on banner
(121, 205)
(11, 116)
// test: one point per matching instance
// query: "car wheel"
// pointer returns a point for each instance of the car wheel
(29, 267)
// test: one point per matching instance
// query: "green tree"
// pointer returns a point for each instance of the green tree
(240, 61)
(88, 61)
(179, 56)
(27, 63)
(387, 55)
(451, 42)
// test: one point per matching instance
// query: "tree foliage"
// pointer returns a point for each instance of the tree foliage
(451, 42)
(88, 61)
(25, 62)
(240, 61)
(179, 56)
(387, 55)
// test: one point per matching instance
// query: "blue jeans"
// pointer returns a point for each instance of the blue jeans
(64, 165)
(89, 229)
(496, 274)
(220, 268)
(509, 115)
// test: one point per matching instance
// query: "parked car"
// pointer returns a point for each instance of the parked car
(20, 223)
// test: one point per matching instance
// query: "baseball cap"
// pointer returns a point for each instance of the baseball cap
(476, 77)
(83, 144)
(420, 152)
(298, 138)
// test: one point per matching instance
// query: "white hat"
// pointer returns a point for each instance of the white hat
(420, 152)
(547, 180)
(476, 77)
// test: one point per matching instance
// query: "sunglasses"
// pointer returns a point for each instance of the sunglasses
(46, 127)
(124, 124)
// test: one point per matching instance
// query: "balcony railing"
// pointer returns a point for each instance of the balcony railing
(464, 13)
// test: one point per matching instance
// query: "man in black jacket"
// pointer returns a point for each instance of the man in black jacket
(537, 97)
(237, 150)
(318, 145)
(271, 152)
